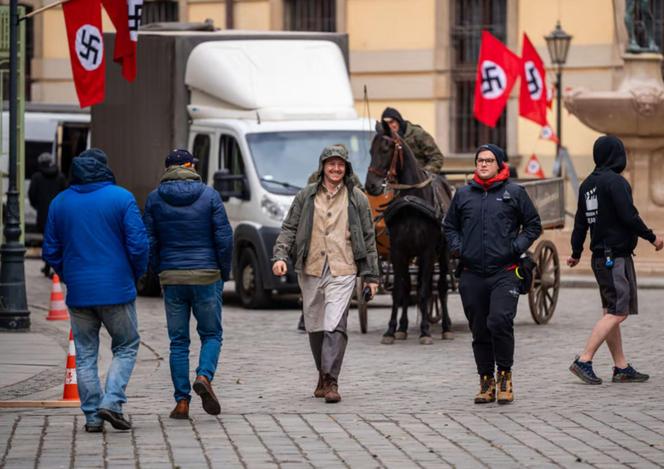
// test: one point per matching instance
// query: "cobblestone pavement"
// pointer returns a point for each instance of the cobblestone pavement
(404, 405)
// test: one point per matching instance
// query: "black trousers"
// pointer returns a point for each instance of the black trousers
(490, 307)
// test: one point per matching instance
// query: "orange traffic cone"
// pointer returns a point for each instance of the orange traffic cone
(70, 392)
(58, 310)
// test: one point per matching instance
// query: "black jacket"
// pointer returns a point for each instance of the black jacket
(45, 184)
(606, 205)
(490, 229)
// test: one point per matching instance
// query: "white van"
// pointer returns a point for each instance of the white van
(63, 131)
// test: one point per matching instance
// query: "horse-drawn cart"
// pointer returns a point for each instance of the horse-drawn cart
(548, 197)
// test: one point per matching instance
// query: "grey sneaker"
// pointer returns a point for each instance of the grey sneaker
(628, 375)
(584, 370)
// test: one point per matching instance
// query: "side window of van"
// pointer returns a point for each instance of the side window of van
(201, 151)
(230, 157)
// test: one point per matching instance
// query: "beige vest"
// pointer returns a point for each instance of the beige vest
(330, 235)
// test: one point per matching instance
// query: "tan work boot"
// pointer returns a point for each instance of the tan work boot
(505, 392)
(487, 390)
(332, 395)
(320, 387)
(181, 411)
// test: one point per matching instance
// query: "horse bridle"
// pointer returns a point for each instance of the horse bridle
(390, 176)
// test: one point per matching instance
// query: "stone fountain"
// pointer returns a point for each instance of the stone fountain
(634, 112)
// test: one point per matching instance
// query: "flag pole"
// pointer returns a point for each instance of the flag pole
(42, 9)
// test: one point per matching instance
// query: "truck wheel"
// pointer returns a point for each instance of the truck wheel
(249, 283)
(148, 284)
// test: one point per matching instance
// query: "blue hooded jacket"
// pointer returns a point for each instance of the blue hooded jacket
(95, 239)
(187, 225)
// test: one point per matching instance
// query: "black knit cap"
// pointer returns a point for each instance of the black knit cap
(499, 153)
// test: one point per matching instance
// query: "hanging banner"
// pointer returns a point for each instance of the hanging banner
(86, 49)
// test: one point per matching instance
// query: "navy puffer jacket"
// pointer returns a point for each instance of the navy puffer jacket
(489, 229)
(187, 225)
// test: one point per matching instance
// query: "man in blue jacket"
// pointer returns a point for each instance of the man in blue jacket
(96, 242)
(490, 224)
(191, 243)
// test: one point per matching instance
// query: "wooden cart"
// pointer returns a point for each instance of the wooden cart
(548, 197)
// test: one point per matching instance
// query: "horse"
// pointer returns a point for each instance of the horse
(414, 222)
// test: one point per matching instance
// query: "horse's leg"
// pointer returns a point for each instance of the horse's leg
(402, 332)
(388, 336)
(443, 261)
(425, 266)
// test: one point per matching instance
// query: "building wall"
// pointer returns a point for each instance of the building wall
(400, 50)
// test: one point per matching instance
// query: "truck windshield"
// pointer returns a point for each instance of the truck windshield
(285, 160)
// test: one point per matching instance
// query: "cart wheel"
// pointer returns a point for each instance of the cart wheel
(435, 308)
(543, 296)
(361, 307)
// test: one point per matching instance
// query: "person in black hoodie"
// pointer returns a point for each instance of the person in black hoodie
(607, 209)
(45, 184)
(490, 224)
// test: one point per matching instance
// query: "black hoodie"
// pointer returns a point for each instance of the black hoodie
(606, 205)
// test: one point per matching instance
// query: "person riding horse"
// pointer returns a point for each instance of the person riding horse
(420, 142)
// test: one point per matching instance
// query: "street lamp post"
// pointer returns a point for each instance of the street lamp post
(14, 313)
(558, 44)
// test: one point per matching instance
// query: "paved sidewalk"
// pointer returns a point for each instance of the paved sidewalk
(404, 405)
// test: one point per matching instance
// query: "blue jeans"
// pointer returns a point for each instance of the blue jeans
(205, 302)
(121, 323)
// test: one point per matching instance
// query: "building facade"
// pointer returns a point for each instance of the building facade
(416, 55)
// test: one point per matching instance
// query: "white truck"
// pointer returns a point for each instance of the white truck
(255, 109)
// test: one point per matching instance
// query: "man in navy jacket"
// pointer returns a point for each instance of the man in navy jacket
(96, 242)
(490, 224)
(191, 242)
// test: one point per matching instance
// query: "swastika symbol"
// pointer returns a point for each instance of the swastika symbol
(89, 47)
(533, 80)
(135, 11)
(494, 80)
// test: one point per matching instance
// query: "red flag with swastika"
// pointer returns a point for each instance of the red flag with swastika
(86, 49)
(497, 71)
(533, 95)
(126, 17)
(534, 168)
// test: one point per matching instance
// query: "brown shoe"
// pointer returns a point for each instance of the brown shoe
(487, 390)
(332, 395)
(203, 388)
(320, 387)
(505, 392)
(181, 411)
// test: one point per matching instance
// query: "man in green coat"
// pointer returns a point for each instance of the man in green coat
(329, 235)
(420, 142)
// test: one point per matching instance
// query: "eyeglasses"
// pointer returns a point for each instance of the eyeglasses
(487, 161)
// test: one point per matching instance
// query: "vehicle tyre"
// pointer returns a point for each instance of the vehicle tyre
(249, 283)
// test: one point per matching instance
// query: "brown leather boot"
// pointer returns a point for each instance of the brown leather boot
(320, 387)
(332, 395)
(181, 411)
(203, 388)
(505, 392)
(487, 390)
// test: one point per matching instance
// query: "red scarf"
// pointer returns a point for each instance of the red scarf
(502, 175)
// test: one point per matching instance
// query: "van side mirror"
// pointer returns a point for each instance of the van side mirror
(231, 185)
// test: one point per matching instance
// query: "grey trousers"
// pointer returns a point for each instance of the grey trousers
(329, 348)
